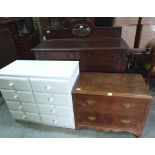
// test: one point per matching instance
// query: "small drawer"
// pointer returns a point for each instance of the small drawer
(57, 99)
(10, 95)
(19, 115)
(30, 107)
(112, 104)
(55, 110)
(25, 96)
(58, 121)
(33, 117)
(15, 106)
(15, 83)
(46, 85)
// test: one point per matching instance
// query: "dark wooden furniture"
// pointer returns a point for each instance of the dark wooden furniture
(102, 50)
(111, 102)
(25, 43)
(7, 48)
(24, 35)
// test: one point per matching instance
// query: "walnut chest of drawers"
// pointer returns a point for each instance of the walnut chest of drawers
(40, 91)
(111, 102)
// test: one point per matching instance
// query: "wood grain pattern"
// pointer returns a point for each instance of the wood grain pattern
(111, 102)
(94, 54)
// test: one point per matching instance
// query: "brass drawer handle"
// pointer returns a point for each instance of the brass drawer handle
(125, 121)
(91, 118)
(91, 102)
(129, 105)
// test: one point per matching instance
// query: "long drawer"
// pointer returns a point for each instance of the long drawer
(111, 104)
(109, 120)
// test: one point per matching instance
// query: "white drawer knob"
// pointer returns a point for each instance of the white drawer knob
(50, 99)
(54, 121)
(20, 107)
(52, 111)
(15, 96)
(47, 87)
(24, 117)
(11, 84)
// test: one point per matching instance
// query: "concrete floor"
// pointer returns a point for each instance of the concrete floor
(9, 128)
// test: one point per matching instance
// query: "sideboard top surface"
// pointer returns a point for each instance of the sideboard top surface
(36, 68)
(81, 44)
(112, 84)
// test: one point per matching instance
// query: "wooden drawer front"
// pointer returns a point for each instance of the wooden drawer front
(15, 106)
(15, 83)
(10, 95)
(25, 96)
(59, 55)
(34, 117)
(104, 55)
(58, 121)
(55, 110)
(30, 107)
(102, 66)
(57, 99)
(18, 115)
(45, 85)
(111, 104)
(109, 120)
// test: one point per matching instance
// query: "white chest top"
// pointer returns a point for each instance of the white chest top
(42, 68)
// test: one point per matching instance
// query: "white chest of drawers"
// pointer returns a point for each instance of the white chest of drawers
(40, 91)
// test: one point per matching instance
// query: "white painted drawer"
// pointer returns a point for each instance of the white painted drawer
(58, 121)
(10, 95)
(46, 85)
(15, 83)
(57, 99)
(18, 115)
(33, 117)
(25, 96)
(30, 107)
(55, 110)
(14, 105)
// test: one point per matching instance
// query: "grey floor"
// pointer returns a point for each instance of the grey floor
(9, 128)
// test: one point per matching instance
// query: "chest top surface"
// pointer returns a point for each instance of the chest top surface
(112, 84)
(35, 68)
(81, 43)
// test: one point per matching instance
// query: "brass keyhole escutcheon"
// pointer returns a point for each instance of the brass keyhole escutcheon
(125, 121)
(91, 102)
(129, 105)
(91, 118)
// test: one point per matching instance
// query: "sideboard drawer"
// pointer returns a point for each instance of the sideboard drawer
(58, 121)
(57, 99)
(55, 110)
(46, 85)
(112, 104)
(102, 54)
(15, 83)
